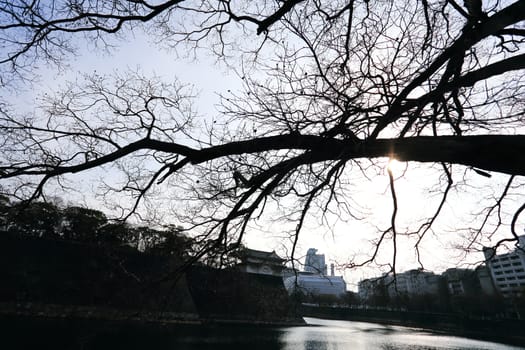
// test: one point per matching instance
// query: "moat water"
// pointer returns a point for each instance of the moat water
(318, 335)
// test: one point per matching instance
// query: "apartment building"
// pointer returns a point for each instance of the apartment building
(409, 283)
(508, 270)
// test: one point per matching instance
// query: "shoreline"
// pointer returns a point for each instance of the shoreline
(44, 314)
(57, 312)
(501, 331)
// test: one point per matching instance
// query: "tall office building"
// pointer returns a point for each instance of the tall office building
(314, 280)
(315, 263)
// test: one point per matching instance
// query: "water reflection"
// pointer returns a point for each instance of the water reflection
(319, 335)
(336, 335)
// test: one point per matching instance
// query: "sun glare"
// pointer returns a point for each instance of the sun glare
(396, 166)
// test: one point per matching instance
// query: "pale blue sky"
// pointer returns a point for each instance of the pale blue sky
(348, 238)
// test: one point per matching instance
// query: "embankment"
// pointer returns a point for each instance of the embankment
(501, 330)
(40, 275)
(61, 279)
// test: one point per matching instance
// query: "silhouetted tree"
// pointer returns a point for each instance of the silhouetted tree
(82, 224)
(380, 296)
(36, 219)
(114, 233)
(350, 298)
(172, 241)
(330, 88)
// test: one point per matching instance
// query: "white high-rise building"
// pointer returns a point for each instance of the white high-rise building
(315, 263)
(508, 270)
(314, 280)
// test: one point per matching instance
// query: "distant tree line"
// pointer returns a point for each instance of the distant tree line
(472, 303)
(76, 256)
(347, 299)
(90, 226)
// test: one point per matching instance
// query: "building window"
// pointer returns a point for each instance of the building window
(500, 279)
(511, 278)
(519, 270)
(516, 263)
(498, 273)
(505, 265)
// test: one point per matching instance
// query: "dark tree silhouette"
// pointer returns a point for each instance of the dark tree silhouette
(82, 224)
(331, 88)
